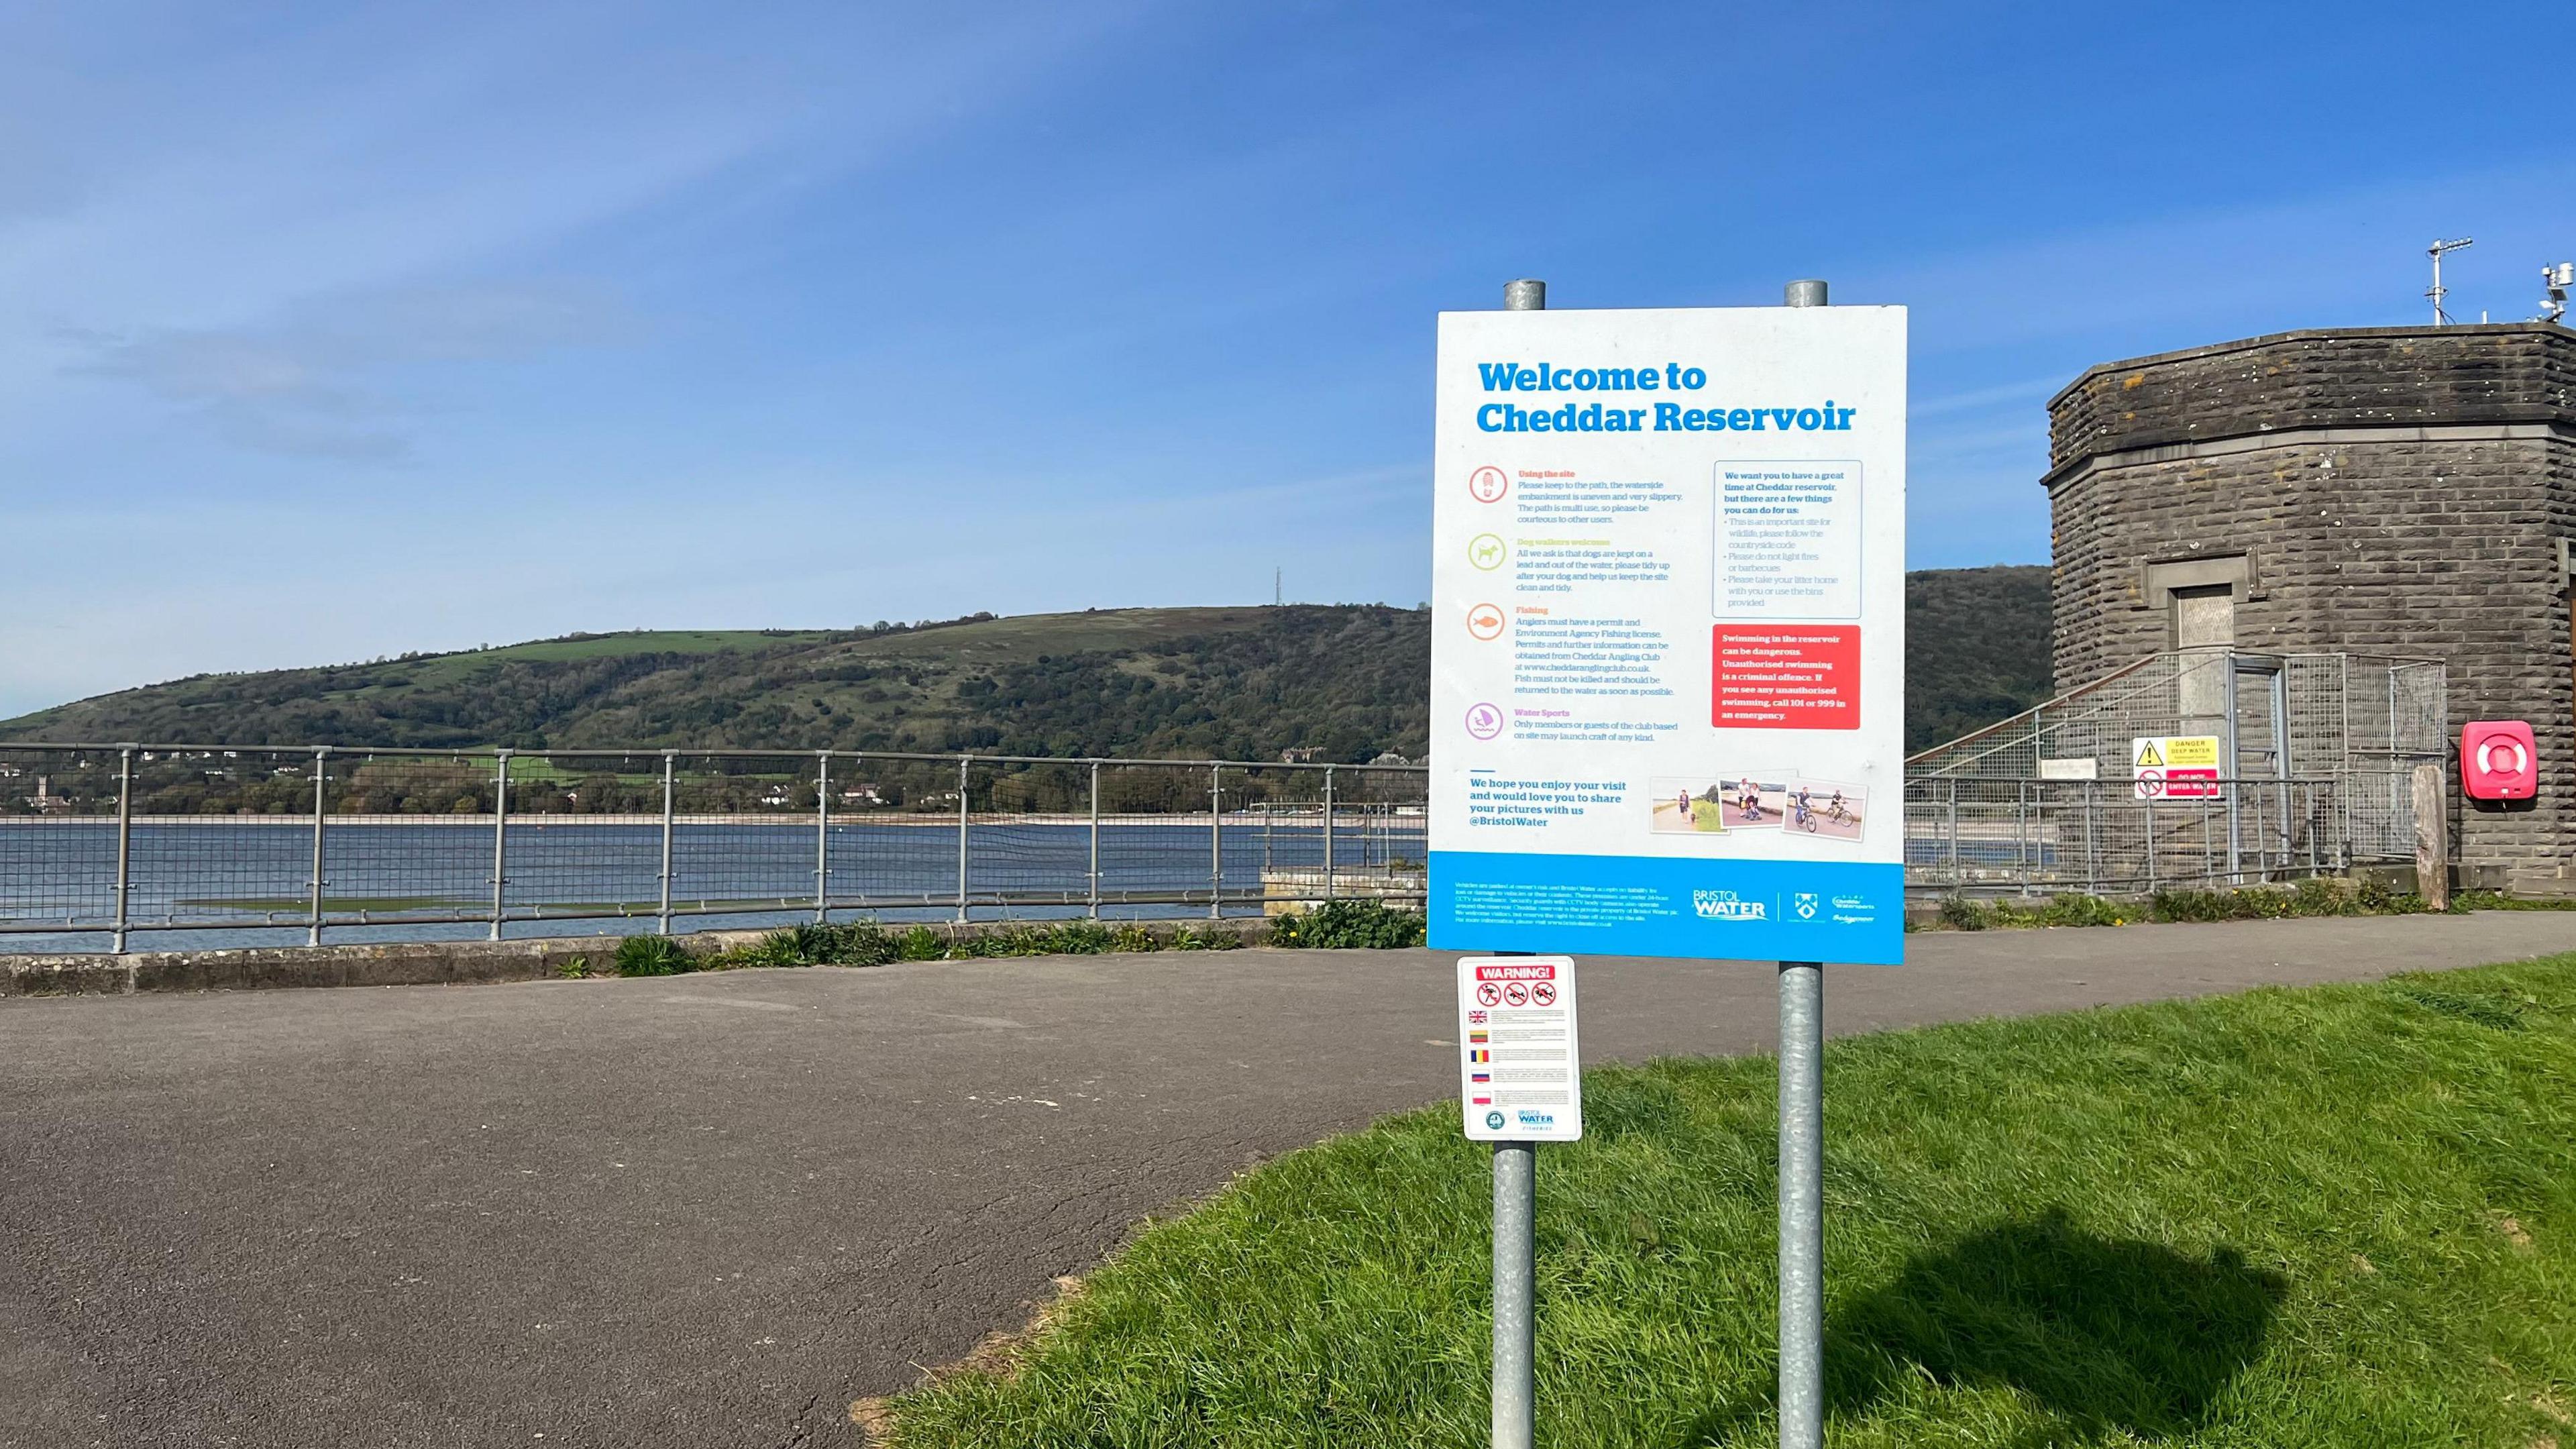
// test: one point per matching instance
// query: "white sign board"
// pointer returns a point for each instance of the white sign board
(2073, 767)
(1668, 635)
(1520, 1078)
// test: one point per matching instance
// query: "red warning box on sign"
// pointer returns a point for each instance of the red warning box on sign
(1787, 677)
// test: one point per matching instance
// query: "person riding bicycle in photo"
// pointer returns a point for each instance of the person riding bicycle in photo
(1802, 805)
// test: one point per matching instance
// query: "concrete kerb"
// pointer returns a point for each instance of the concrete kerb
(415, 963)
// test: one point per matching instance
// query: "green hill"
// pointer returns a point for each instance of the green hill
(1346, 681)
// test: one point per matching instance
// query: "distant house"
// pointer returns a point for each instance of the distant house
(1300, 754)
(45, 801)
(865, 794)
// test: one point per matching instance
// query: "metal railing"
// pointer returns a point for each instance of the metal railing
(124, 838)
(2103, 837)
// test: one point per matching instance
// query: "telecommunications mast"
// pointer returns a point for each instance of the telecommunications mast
(2437, 291)
(2557, 277)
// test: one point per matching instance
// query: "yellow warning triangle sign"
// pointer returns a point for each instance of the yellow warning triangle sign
(2147, 754)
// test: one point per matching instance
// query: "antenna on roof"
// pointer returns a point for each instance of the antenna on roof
(2557, 277)
(2437, 291)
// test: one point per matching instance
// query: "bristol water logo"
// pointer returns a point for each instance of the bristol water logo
(1537, 1119)
(1728, 906)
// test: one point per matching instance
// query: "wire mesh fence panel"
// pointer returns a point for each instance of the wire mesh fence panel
(585, 834)
(58, 837)
(2353, 725)
(1381, 834)
(746, 832)
(1275, 835)
(2103, 837)
(407, 836)
(223, 838)
(1029, 841)
(1156, 841)
(894, 831)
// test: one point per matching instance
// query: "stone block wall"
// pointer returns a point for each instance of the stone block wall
(2392, 491)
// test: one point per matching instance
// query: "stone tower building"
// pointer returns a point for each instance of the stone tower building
(2371, 490)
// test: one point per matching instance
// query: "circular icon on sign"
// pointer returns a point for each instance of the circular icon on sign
(1488, 485)
(1485, 621)
(1484, 721)
(1516, 995)
(1493, 1121)
(1488, 993)
(1486, 551)
(1543, 994)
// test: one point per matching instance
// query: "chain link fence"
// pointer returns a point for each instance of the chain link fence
(255, 842)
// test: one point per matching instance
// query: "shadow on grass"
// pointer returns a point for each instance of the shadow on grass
(2105, 1334)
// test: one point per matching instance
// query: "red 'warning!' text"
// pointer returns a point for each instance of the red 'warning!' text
(1787, 677)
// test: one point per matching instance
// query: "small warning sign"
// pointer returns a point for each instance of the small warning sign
(1520, 1075)
(2175, 767)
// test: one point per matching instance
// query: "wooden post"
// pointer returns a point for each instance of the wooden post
(2432, 837)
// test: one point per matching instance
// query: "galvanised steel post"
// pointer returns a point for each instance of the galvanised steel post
(2151, 843)
(1802, 1207)
(667, 793)
(500, 838)
(124, 839)
(822, 835)
(2092, 863)
(321, 774)
(1095, 841)
(964, 763)
(1328, 832)
(1954, 832)
(1515, 1198)
(1515, 1294)
(1802, 1156)
(1216, 842)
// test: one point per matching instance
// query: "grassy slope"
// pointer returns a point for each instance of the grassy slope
(2339, 1216)
(1235, 682)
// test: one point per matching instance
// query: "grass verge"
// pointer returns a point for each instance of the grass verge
(2315, 896)
(1334, 926)
(2331, 1216)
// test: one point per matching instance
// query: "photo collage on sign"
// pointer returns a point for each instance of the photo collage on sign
(1757, 800)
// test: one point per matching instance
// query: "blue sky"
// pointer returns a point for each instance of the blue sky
(330, 331)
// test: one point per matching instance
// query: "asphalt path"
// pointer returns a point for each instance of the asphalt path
(713, 1210)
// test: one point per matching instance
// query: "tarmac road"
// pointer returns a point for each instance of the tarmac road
(712, 1210)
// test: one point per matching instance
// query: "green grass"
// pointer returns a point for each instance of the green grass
(2335, 1216)
(443, 668)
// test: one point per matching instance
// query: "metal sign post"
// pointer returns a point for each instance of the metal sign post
(1516, 1198)
(1802, 1164)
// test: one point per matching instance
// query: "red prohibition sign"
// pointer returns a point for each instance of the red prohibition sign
(1516, 995)
(1490, 994)
(1544, 993)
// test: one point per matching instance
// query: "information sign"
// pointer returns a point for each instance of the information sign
(1668, 639)
(1519, 1076)
(2175, 767)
